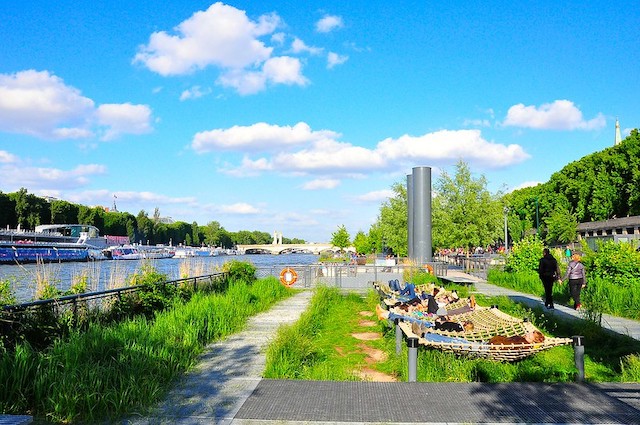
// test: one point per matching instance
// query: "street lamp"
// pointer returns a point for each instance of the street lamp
(506, 240)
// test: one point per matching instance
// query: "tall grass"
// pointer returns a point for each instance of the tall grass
(110, 371)
(600, 296)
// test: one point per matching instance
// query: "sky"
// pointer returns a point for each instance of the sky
(298, 117)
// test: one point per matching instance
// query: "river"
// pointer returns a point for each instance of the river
(101, 275)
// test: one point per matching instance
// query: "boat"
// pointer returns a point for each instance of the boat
(51, 243)
(138, 252)
(189, 252)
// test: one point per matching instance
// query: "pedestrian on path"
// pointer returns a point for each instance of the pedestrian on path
(549, 272)
(577, 279)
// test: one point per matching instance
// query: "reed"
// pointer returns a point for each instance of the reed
(108, 372)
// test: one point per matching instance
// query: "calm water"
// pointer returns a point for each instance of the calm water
(113, 273)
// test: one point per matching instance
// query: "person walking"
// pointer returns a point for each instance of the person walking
(577, 279)
(549, 272)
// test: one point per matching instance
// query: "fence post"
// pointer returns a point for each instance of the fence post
(398, 336)
(412, 344)
(578, 355)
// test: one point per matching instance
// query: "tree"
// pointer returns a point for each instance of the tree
(340, 238)
(465, 213)
(361, 242)
(562, 226)
(392, 221)
(63, 212)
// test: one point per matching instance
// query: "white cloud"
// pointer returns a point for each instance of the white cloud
(302, 150)
(284, 70)
(334, 59)
(329, 23)
(559, 115)
(222, 36)
(526, 184)
(477, 123)
(321, 184)
(42, 178)
(376, 196)
(6, 157)
(258, 137)
(239, 208)
(41, 105)
(299, 46)
(194, 92)
(124, 118)
(448, 146)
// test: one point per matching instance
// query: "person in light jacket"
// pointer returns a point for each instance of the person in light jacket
(577, 279)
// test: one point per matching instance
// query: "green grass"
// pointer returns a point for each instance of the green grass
(321, 347)
(107, 372)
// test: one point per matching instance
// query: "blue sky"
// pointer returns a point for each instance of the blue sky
(298, 117)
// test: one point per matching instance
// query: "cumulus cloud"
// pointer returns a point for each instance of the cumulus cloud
(42, 178)
(321, 184)
(239, 208)
(258, 137)
(329, 23)
(40, 104)
(194, 92)
(447, 146)
(334, 59)
(299, 46)
(224, 37)
(303, 150)
(124, 118)
(559, 115)
(526, 184)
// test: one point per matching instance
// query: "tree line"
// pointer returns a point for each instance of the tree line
(26, 211)
(599, 186)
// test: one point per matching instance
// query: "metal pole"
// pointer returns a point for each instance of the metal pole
(537, 220)
(410, 231)
(578, 355)
(506, 235)
(398, 336)
(412, 344)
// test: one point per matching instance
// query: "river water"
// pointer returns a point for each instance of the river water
(101, 275)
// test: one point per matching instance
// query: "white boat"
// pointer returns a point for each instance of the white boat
(138, 252)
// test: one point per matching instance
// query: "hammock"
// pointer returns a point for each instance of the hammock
(488, 322)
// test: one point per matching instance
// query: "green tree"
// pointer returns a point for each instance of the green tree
(392, 221)
(464, 212)
(361, 243)
(63, 212)
(145, 228)
(562, 226)
(340, 238)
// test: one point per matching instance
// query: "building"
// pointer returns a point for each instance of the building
(625, 229)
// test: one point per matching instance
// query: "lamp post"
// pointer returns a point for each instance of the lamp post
(506, 235)
(537, 220)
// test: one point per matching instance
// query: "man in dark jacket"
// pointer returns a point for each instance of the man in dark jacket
(549, 272)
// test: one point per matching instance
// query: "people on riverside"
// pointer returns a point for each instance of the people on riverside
(567, 254)
(528, 338)
(549, 272)
(577, 279)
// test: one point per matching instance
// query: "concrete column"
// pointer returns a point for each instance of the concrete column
(578, 356)
(410, 216)
(422, 215)
(412, 344)
(398, 336)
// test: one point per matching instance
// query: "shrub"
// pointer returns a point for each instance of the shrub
(615, 262)
(525, 255)
(240, 271)
(7, 297)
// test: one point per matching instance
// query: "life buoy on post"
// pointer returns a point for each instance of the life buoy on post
(288, 276)
(428, 268)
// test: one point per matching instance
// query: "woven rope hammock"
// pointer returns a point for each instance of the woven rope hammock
(487, 323)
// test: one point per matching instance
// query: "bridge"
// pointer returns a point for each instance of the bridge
(279, 248)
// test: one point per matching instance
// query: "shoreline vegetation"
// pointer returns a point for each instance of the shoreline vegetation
(108, 371)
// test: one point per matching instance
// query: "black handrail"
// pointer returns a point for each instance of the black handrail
(101, 294)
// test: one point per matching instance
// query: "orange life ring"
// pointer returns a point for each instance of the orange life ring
(288, 276)
(428, 268)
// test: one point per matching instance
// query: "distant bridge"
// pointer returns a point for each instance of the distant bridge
(312, 248)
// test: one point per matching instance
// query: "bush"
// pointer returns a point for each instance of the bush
(240, 271)
(616, 262)
(525, 255)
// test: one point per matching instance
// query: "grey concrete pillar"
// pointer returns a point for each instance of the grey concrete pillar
(398, 336)
(410, 216)
(422, 215)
